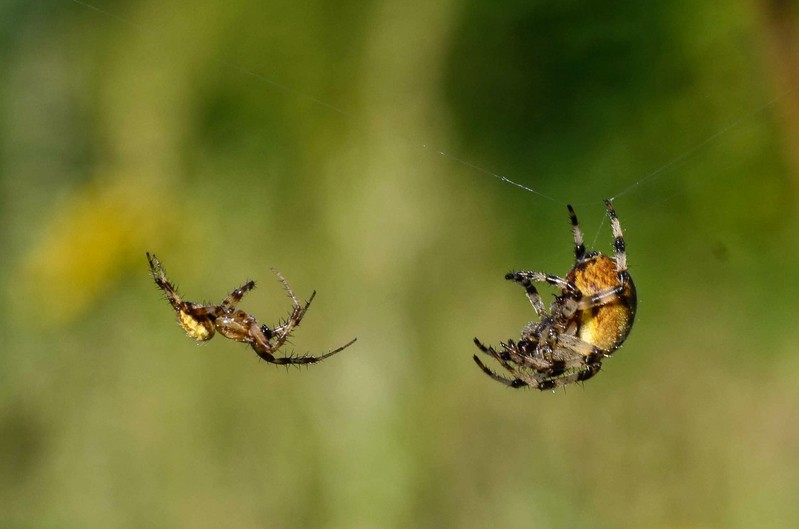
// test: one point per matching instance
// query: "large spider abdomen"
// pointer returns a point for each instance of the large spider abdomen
(200, 330)
(606, 325)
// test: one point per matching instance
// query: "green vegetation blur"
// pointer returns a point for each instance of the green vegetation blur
(231, 137)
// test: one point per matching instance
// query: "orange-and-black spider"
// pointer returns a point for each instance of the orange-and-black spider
(586, 323)
(201, 322)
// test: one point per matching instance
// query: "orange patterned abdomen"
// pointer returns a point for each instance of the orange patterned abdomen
(608, 325)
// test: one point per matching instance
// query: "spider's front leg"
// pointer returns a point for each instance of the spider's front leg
(263, 336)
(526, 278)
(282, 332)
(266, 351)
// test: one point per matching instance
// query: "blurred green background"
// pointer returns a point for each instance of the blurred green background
(233, 136)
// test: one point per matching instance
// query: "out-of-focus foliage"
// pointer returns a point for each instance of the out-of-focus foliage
(234, 136)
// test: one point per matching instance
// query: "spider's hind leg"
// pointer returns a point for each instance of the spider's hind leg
(159, 276)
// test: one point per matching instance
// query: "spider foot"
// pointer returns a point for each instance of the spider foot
(512, 383)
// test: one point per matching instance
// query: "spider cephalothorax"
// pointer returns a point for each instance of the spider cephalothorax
(201, 322)
(589, 320)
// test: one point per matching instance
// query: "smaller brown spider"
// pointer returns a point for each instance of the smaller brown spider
(589, 320)
(202, 321)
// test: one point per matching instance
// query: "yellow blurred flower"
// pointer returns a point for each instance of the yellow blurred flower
(98, 233)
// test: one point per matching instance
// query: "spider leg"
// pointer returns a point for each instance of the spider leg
(522, 380)
(197, 320)
(525, 278)
(580, 375)
(482, 347)
(294, 319)
(571, 361)
(602, 297)
(266, 354)
(532, 292)
(287, 287)
(513, 383)
(299, 310)
(504, 357)
(619, 246)
(283, 331)
(157, 270)
(511, 354)
(579, 246)
(199, 311)
(265, 348)
(536, 360)
(186, 307)
(230, 302)
(569, 354)
(586, 353)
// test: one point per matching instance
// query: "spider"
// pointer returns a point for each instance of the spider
(202, 321)
(585, 324)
